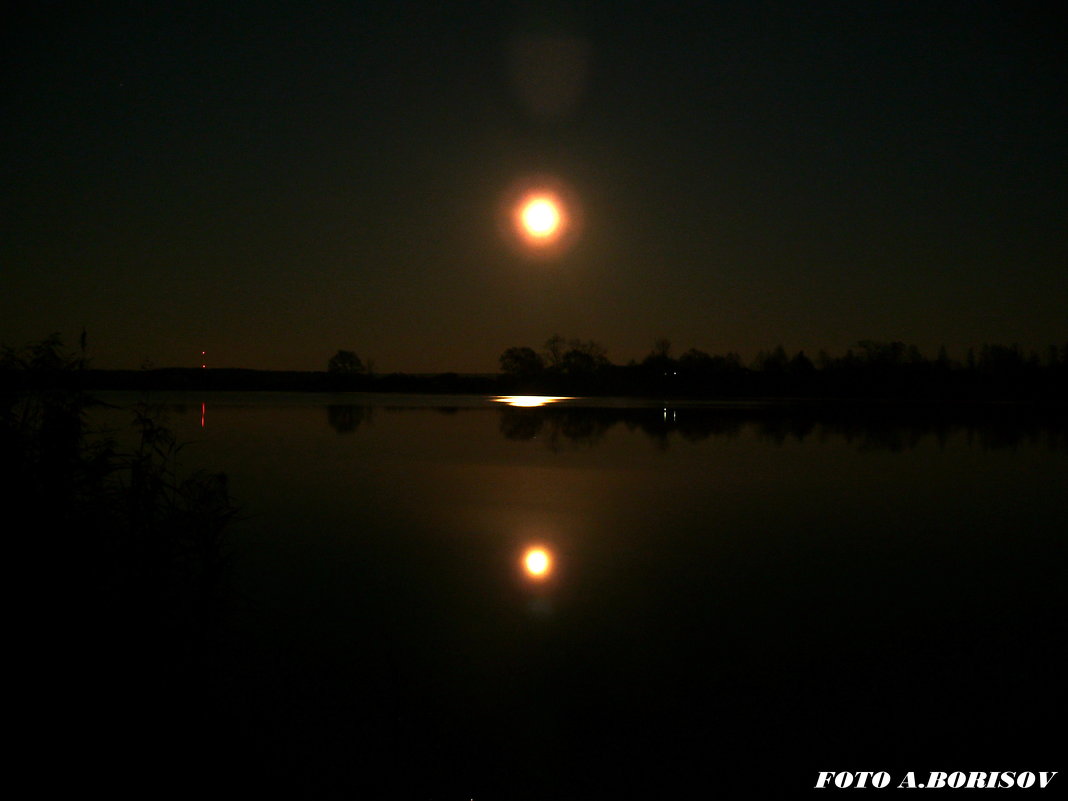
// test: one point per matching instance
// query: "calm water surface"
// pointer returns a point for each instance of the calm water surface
(730, 597)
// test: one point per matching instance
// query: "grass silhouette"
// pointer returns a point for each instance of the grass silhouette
(122, 576)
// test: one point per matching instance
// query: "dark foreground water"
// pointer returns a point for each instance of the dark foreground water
(737, 600)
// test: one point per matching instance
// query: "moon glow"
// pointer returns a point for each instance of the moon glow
(540, 217)
(541, 220)
(538, 563)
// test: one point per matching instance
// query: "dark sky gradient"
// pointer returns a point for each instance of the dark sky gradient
(273, 181)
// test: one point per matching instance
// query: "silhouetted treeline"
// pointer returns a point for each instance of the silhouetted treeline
(875, 370)
(189, 379)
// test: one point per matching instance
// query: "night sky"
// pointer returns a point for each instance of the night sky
(271, 182)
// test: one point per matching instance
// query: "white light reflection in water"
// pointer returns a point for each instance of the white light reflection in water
(538, 568)
(528, 400)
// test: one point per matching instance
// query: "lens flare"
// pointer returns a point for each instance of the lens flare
(549, 73)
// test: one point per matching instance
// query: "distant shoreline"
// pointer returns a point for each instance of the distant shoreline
(945, 390)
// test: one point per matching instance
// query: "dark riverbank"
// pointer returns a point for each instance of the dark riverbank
(927, 386)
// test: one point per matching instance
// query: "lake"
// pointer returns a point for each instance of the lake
(732, 596)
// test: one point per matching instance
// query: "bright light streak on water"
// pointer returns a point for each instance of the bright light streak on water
(529, 400)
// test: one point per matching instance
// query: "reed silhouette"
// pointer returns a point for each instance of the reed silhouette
(125, 560)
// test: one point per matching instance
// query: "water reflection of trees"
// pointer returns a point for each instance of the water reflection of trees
(574, 426)
(346, 418)
(869, 427)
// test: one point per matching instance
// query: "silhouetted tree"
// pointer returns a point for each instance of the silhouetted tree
(577, 362)
(694, 360)
(345, 362)
(800, 365)
(521, 362)
(659, 361)
(555, 347)
(774, 362)
(583, 358)
(883, 353)
(1000, 360)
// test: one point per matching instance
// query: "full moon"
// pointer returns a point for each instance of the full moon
(537, 563)
(540, 217)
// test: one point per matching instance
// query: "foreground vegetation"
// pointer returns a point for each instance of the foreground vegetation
(121, 562)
